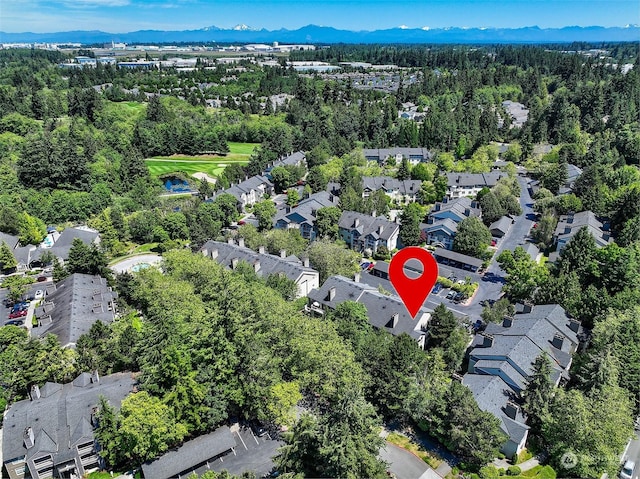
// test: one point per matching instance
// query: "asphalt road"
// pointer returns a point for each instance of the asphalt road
(633, 452)
(402, 463)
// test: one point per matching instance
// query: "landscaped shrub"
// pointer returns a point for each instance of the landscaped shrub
(513, 471)
(547, 472)
(489, 472)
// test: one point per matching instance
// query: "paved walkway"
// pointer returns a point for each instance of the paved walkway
(525, 466)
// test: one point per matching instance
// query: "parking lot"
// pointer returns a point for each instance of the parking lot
(31, 293)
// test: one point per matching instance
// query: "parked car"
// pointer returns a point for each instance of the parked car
(461, 282)
(258, 428)
(20, 307)
(436, 289)
(8, 302)
(18, 314)
(15, 322)
(458, 297)
(451, 294)
(627, 470)
(41, 279)
(39, 294)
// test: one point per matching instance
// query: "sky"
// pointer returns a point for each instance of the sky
(119, 16)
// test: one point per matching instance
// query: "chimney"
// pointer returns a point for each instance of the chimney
(261, 249)
(356, 277)
(467, 211)
(332, 294)
(28, 438)
(35, 392)
(305, 261)
(241, 242)
(331, 198)
(511, 409)
(557, 341)
(283, 253)
(234, 263)
(214, 253)
(527, 307)
(256, 266)
(507, 321)
(380, 229)
(393, 322)
(95, 377)
(574, 325)
(487, 341)
(356, 223)
(437, 207)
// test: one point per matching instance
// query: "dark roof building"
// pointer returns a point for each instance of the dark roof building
(294, 159)
(457, 260)
(303, 216)
(361, 231)
(569, 225)
(455, 209)
(191, 455)
(51, 435)
(381, 155)
(404, 191)
(469, 184)
(507, 351)
(230, 254)
(500, 227)
(386, 312)
(73, 305)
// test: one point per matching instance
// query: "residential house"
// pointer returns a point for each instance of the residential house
(454, 209)
(230, 254)
(250, 191)
(361, 231)
(470, 184)
(442, 222)
(191, 455)
(507, 351)
(532, 250)
(400, 191)
(73, 305)
(303, 216)
(573, 173)
(294, 159)
(440, 233)
(570, 224)
(382, 155)
(385, 312)
(52, 433)
(500, 227)
(518, 112)
(59, 244)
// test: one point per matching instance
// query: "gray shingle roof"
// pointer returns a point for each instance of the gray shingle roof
(293, 159)
(267, 264)
(384, 312)
(492, 394)
(381, 154)
(461, 207)
(307, 208)
(474, 180)
(64, 242)
(388, 184)
(378, 227)
(190, 454)
(462, 258)
(569, 225)
(77, 302)
(501, 226)
(61, 417)
(448, 225)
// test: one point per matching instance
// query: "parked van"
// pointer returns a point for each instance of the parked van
(627, 470)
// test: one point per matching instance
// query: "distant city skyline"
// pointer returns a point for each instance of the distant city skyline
(118, 16)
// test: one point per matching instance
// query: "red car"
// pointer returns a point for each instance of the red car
(18, 314)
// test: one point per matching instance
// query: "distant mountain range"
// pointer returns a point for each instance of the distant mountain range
(318, 34)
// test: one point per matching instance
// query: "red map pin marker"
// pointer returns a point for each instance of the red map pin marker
(413, 292)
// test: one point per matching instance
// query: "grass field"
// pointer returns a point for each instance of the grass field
(212, 165)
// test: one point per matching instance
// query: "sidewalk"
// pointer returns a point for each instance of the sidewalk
(525, 466)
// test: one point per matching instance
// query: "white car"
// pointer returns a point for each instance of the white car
(627, 470)
(38, 295)
(461, 281)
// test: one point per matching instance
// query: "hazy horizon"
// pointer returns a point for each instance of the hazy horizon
(120, 16)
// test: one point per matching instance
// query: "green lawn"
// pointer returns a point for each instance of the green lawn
(241, 148)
